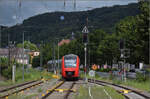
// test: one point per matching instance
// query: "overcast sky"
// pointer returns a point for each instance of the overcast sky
(11, 13)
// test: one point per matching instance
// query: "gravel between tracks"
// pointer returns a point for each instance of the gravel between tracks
(36, 92)
(76, 87)
(66, 85)
(60, 95)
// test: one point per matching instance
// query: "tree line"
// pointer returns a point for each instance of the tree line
(103, 47)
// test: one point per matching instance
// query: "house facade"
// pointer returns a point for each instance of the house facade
(15, 54)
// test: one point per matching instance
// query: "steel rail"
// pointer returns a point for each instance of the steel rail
(16, 86)
(17, 91)
(103, 83)
(53, 89)
(68, 93)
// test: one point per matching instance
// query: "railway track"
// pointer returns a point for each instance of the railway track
(61, 90)
(4, 93)
(132, 94)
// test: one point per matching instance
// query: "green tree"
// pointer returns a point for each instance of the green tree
(46, 52)
(94, 40)
(143, 30)
(126, 29)
(108, 49)
(3, 62)
(36, 61)
(135, 32)
(28, 45)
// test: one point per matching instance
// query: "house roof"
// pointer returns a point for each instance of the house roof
(64, 41)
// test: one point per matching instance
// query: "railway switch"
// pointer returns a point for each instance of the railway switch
(43, 95)
(125, 91)
(56, 76)
(63, 90)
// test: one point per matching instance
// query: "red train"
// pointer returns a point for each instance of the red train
(70, 66)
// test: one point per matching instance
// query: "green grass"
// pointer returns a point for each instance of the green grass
(97, 92)
(139, 85)
(145, 86)
(29, 75)
(148, 69)
(112, 92)
(40, 90)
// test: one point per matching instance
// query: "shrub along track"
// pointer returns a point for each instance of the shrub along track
(18, 88)
(132, 94)
(65, 88)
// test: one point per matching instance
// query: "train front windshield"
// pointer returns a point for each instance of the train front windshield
(70, 61)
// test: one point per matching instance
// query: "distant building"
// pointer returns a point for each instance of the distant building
(15, 54)
(3, 52)
(20, 58)
(64, 41)
(33, 54)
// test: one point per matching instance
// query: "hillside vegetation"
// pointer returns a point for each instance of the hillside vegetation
(49, 25)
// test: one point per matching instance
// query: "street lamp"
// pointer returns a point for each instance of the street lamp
(85, 41)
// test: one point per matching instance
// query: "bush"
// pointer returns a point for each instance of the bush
(105, 70)
(140, 77)
(118, 82)
(36, 62)
(7, 72)
(111, 76)
(114, 69)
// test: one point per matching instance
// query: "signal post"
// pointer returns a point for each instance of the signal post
(85, 41)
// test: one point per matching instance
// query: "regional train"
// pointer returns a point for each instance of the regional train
(70, 66)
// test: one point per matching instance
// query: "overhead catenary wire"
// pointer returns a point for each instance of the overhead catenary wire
(18, 13)
(45, 5)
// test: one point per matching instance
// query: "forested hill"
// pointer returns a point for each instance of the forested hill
(49, 25)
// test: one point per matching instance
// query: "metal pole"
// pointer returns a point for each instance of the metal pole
(124, 61)
(41, 63)
(54, 59)
(64, 3)
(58, 57)
(0, 36)
(89, 59)
(0, 47)
(8, 50)
(124, 71)
(74, 4)
(54, 63)
(13, 73)
(28, 52)
(23, 58)
(85, 62)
